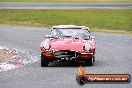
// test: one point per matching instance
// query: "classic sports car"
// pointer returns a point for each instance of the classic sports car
(68, 43)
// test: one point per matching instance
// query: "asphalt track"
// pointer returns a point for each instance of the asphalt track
(113, 55)
(30, 5)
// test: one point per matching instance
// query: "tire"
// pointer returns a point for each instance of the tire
(89, 62)
(44, 61)
(94, 57)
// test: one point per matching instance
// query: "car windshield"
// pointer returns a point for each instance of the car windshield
(74, 33)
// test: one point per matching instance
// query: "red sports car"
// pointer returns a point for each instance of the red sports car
(68, 43)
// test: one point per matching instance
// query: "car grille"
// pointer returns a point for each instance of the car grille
(65, 54)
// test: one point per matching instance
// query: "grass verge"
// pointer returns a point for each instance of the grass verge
(70, 1)
(115, 19)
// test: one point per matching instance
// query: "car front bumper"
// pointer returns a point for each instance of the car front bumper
(79, 56)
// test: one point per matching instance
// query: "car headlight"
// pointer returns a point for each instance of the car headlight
(87, 47)
(46, 46)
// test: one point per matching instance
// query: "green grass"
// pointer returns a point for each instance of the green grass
(94, 19)
(61, 1)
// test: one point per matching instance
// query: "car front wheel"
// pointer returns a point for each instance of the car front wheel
(89, 62)
(44, 61)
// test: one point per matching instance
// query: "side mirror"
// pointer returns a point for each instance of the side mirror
(47, 36)
(92, 38)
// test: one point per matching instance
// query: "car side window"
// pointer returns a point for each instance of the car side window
(89, 33)
(56, 33)
(52, 33)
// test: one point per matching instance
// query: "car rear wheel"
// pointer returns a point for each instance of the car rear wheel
(89, 62)
(44, 61)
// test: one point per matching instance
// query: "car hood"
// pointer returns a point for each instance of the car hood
(68, 44)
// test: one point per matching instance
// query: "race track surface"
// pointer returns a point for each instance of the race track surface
(113, 55)
(30, 5)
